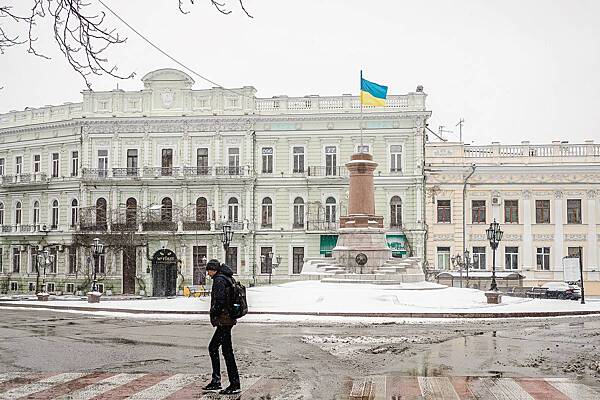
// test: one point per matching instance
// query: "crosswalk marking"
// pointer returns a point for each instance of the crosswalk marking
(46, 383)
(165, 388)
(100, 387)
(438, 388)
(574, 390)
(541, 390)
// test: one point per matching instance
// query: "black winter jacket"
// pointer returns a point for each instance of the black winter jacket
(219, 306)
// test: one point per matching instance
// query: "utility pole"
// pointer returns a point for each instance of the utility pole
(460, 124)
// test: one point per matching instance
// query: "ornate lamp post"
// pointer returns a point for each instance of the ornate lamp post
(97, 249)
(467, 263)
(226, 237)
(44, 260)
(494, 235)
(457, 261)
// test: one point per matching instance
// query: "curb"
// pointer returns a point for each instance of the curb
(321, 314)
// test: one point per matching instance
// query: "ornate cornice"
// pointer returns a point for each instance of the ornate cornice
(575, 237)
(442, 237)
(543, 237)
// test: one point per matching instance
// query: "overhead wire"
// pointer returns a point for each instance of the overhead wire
(167, 54)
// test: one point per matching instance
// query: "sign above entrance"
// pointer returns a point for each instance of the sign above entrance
(164, 256)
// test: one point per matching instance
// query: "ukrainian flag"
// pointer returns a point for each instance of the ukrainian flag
(372, 94)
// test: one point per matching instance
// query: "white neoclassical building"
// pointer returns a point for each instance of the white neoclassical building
(546, 198)
(155, 173)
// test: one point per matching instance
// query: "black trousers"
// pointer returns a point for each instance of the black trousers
(222, 337)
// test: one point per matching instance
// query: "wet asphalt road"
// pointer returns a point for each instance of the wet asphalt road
(316, 359)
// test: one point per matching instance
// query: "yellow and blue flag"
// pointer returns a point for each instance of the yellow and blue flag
(372, 94)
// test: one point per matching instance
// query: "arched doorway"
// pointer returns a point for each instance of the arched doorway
(164, 273)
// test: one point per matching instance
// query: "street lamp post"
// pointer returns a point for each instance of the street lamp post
(494, 235)
(226, 237)
(97, 249)
(457, 261)
(44, 259)
(466, 263)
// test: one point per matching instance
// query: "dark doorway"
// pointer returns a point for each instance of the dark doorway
(129, 267)
(164, 273)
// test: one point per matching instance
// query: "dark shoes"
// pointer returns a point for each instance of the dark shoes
(212, 386)
(231, 389)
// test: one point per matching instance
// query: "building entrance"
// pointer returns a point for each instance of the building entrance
(164, 273)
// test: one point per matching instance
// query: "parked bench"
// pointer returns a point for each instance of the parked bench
(195, 291)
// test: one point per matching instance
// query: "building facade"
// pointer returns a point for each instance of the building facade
(546, 198)
(162, 169)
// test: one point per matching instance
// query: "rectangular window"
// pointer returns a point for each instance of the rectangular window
(103, 163)
(72, 259)
(1, 260)
(478, 211)
(396, 158)
(70, 288)
(574, 252)
(50, 287)
(233, 160)
(297, 259)
(74, 163)
(443, 258)
(298, 154)
(573, 211)
(166, 162)
(53, 266)
(55, 165)
(267, 160)
(542, 211)
(19, 165)
(231, 259)
(511, 257)
(543, 258)
(36, 163)
(34, 259)
(362, 148)
(330, 160)
(132, 162)
(266, 260)
(16, 260)
(202, 161)
(1, 166)
(102, 264)
(511, 211)
(479, 258)
(14, 286)
(443, 211)
(199, 265)
(31, 287)
(100, 287)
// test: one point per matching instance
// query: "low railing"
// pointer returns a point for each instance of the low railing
(528, 150)
(125, 172)
(157, 172)
(232, 171)
(196, 225)
(333, 171)
(159, 226)
(194, 171)
(322, 225)
(94, 173)
(329, 103)
(23, 179)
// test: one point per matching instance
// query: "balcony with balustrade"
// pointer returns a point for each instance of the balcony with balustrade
(21, 180)
(321, 171)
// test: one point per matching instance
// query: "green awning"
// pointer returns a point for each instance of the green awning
(397, 242)
(328, 242)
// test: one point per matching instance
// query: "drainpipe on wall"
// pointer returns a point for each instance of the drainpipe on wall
(464, 200)
(254, 208)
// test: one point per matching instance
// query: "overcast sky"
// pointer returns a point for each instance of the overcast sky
(514, 70)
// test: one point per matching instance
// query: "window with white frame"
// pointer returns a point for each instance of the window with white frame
(19, 165)
(18, 213)
(31, 287)
(543, 258)
(298, 213)
(54, 220)
(16, 261)
(267, 213)
(132, 162)
(37, 159)
(74, 212)
(70, 288)
(511, 257)
(267, 160)
(74, 163)
(362, 148)
(479, 261)
(55, 165)
(233, 210)
(72, 269)
(396, 158)
(1, 166)
(103, 163)
(573, 211)
(14, 286)
(298, 156)
(50, 287)
(36, 213)
(443, 211)
(330, 160)
(233, 160)
(478, 211)
(202, 161)
(330, 210)
(443, 258)
(54, 258)
(396, 212)
(1, 213)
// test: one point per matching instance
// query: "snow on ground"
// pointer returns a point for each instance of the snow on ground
(319, 297)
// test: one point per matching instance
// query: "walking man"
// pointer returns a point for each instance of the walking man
(221, 275)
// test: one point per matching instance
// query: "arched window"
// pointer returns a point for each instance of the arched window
(18, 213)
(298, 212)
(330, 210)
(396, 212)
(233, 210)
(131, 212)
(1, 213)
(36, 213)
(74, 213)
(101, 212)
(201, 209)
(54, 222)
(267, 213)
(166, 211)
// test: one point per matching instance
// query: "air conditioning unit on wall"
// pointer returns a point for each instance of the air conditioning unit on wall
(496, 201)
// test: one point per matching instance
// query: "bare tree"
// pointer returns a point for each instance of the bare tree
(80, 31)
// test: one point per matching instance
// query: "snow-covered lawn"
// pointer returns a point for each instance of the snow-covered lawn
(318, 297)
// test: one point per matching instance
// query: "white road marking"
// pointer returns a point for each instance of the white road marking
(575, 391)
(100, 387)
(43, 384)
(165, 388)
(438, 388)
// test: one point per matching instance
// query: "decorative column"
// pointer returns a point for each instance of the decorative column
(557, 219)
(527, 235)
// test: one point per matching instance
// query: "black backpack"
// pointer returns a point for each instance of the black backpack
(238, 305)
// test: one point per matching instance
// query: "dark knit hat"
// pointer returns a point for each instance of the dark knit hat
(213, 265)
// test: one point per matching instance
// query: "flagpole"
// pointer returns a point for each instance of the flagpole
(361, 113)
